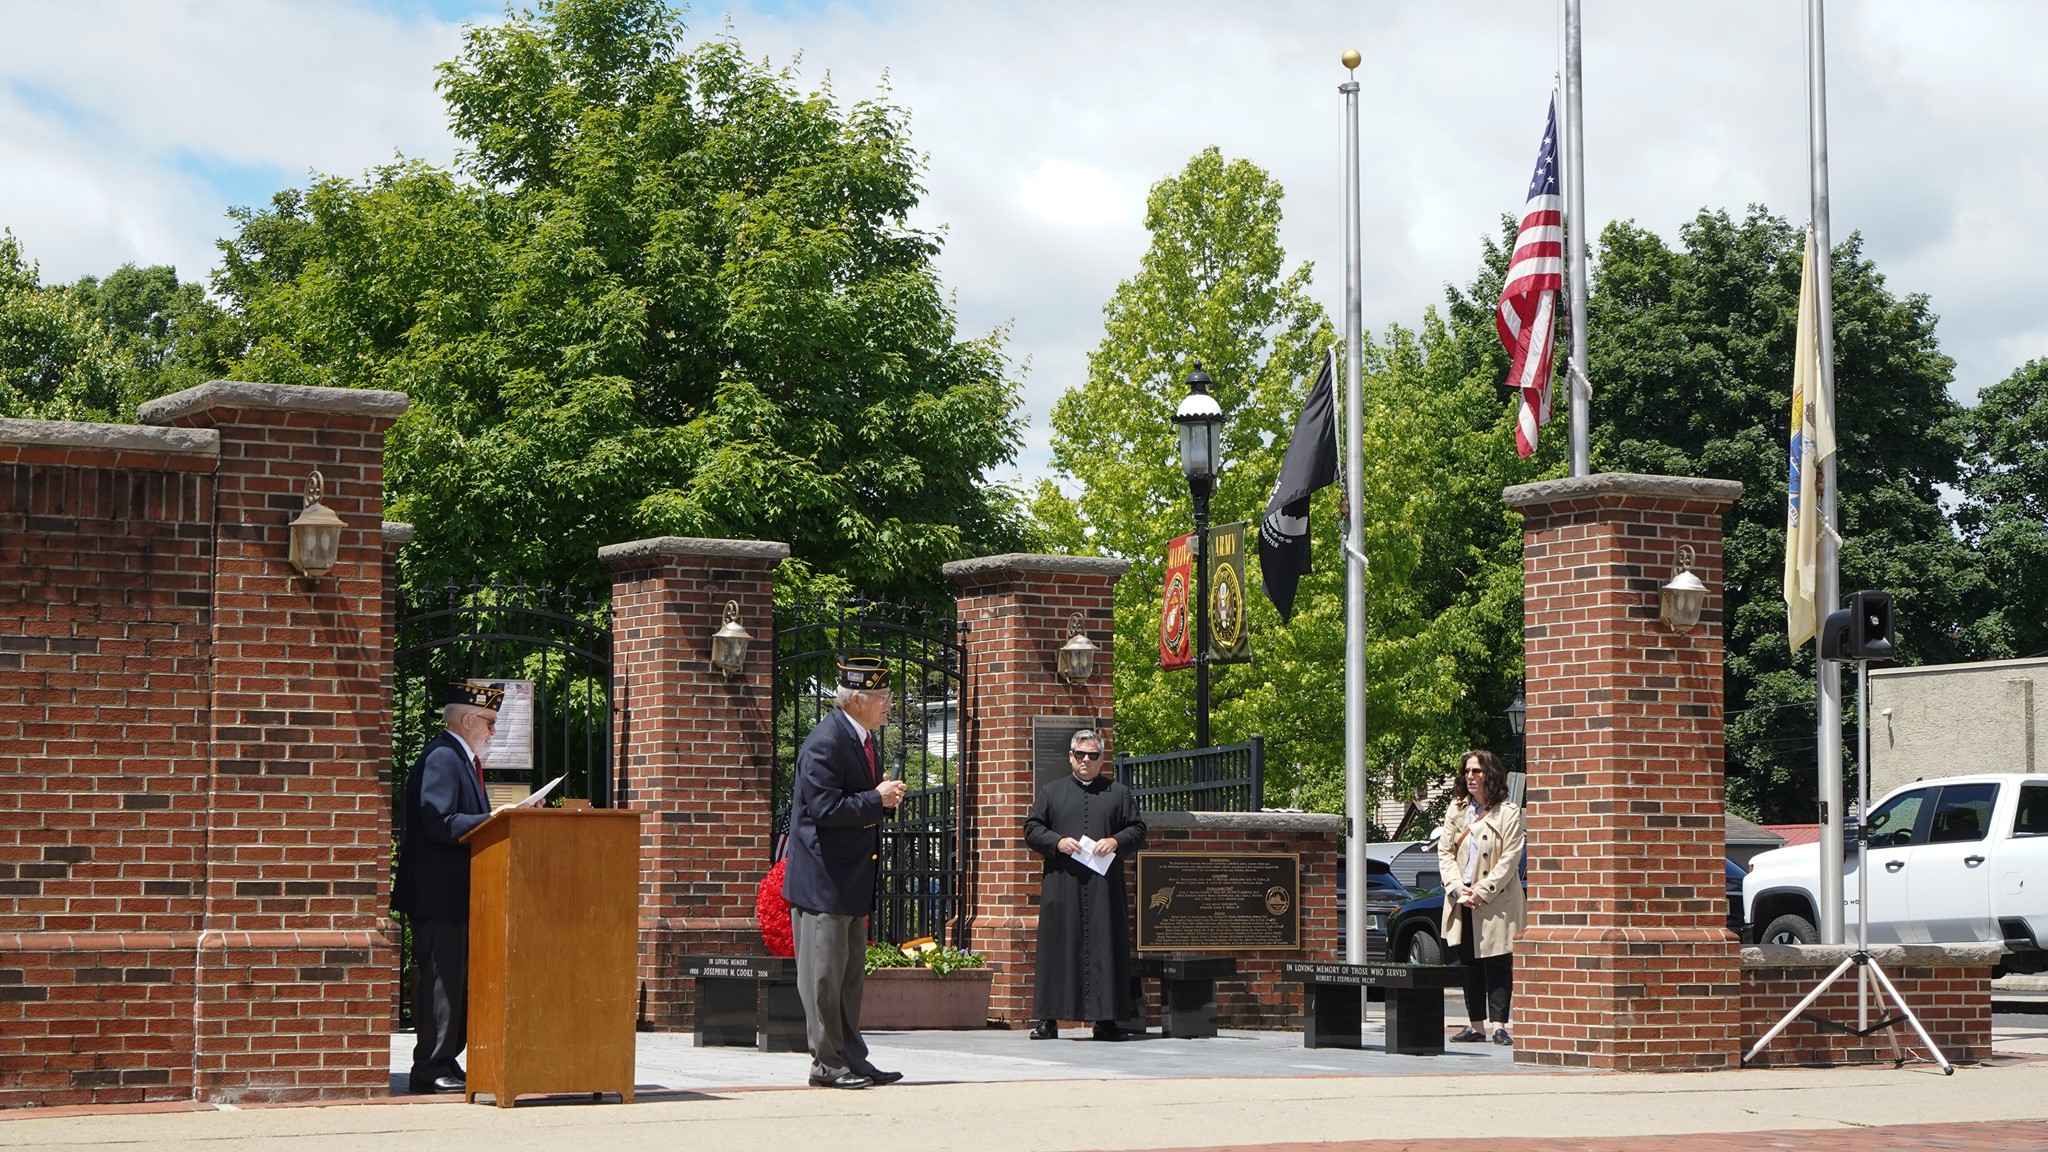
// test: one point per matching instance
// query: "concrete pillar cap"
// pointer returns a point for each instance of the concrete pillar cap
(1700, 488)
(275, 397)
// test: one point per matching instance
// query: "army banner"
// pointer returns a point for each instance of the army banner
(1176, 643)
(1230, 641)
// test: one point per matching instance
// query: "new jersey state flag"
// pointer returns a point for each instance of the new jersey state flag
(1812, 442)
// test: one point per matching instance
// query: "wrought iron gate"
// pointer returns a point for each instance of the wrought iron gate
(925, 840)
(559, 642)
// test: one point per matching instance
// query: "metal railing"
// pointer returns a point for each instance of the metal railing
(1227, 779)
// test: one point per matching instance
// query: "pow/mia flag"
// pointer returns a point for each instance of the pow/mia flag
(1311, 463)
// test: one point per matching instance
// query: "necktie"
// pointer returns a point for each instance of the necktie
(479, 765)
(874, 771)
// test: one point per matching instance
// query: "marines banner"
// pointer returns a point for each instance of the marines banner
(1176, 642)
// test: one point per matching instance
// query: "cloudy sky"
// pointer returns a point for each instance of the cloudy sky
(128, 128)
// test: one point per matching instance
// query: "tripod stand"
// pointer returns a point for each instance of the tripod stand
(1866, 967)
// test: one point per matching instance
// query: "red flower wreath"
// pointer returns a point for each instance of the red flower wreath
(771, 912)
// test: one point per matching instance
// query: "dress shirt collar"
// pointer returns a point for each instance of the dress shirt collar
(857, 729)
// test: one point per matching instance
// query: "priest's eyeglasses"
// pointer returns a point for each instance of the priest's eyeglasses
(1084, 754)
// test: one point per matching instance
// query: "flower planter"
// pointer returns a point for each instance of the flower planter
(906, 998)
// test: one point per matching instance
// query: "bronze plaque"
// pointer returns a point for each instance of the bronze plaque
(1219, 901)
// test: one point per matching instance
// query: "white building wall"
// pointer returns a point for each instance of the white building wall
(1953, 719)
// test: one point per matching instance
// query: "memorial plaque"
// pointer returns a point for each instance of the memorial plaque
(1050, 736)
(1219, 901)
(511, 746)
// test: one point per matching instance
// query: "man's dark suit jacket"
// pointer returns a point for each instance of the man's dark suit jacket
(443, 801)
(835, 823)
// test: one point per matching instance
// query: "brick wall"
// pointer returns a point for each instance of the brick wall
(1626, 963)
(693, 751)
(194, 742)
(1258, 998)
(1015, 611)
(1947, 986)
(106, 552)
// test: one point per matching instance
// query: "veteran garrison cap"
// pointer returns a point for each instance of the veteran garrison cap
(863, 672)
(475, 694)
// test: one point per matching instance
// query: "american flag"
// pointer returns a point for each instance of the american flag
(1528, 301)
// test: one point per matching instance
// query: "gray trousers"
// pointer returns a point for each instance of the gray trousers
(440, 995)
(831, 958)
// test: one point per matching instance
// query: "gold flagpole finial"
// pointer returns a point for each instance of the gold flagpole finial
(1351, 58)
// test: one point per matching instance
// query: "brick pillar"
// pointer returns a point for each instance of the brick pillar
(1626, 963)
(106, 557)
(693, 750)
(1014, 610)
(295, 955)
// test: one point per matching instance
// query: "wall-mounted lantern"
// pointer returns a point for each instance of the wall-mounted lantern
(1683, 597)
(1077, 655)
(729, 643)
(316, 534)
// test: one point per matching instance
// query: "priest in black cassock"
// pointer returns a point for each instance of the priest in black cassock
(1084, 934)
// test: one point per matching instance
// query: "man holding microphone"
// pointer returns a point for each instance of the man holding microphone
(835, 846)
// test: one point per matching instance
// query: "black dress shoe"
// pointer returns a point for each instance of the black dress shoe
(438, 1085)
(1106, 1030)
(843, 1080)
(1046, 1030)
(1468, 1035)
(880, 1077)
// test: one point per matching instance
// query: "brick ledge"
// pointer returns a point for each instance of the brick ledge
(210, 939)
(1889, 955)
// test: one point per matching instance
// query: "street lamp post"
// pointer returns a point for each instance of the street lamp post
(1199, 419)
(1518, 721)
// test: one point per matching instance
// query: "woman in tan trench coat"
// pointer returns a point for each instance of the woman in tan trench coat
(1480, 853)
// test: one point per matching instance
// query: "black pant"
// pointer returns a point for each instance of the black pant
(440, 995)
(1489, 980)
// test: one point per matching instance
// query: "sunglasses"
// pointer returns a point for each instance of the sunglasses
(1079, 755)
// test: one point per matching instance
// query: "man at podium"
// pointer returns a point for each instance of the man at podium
(835, 844)
(444, 800)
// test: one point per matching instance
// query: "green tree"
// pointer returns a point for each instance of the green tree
(1444, 586)
(665, 293)
(57, 362)
(1691, 352)
(2005, 515)
(172, 335)
(1213, 288)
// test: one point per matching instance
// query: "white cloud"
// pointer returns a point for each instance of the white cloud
(1046, 124)
(111, 114)
(1075, 196)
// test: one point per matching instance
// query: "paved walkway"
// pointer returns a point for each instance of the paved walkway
(1000, 1092)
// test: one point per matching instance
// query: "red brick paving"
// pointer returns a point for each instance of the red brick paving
(2013, 1136)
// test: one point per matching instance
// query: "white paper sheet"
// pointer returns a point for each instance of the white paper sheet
(534, 800)
(1087, 856)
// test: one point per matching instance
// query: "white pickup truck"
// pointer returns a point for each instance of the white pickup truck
(1960, 859)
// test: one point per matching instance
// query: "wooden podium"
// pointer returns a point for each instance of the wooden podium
(554, 916)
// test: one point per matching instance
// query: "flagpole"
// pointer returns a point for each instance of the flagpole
(1354, 541)
(1828, 584)
(1575, 228)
